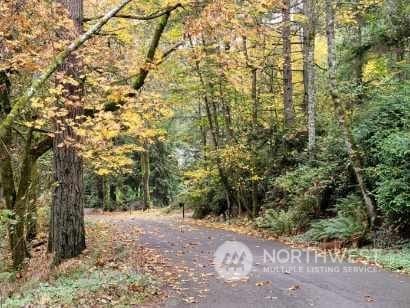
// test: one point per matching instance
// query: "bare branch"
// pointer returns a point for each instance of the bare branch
(137, 17)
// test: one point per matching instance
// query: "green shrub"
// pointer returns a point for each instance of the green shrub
(393, 177)
(204, 194)
(349, 224)
(303, 191)
(287, 222)
(278, 222)
(299, 182)
(343, 228)
(383, 132)
(304, 209)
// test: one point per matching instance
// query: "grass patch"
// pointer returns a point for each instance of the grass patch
(389, 258)
(90, 288)
(106, 274)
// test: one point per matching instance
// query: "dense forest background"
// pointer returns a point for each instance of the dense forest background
(294, 113)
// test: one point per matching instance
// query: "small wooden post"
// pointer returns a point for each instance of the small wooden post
(182, 205)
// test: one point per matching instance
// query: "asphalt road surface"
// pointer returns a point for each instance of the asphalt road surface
(279, 275)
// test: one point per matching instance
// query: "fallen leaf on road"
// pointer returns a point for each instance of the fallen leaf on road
(369, 298)
(294, 287)
(263, 283)
(190, 300)
(271, 297)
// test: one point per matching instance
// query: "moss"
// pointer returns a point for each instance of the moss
(78, 288)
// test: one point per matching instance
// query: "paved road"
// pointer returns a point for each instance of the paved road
(310, 282)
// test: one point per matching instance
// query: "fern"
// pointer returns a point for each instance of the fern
(350, 222)
(278, 222)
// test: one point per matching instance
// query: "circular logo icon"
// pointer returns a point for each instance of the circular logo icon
(233, 260)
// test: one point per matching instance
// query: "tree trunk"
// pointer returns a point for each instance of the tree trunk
(15, 199)
(289, 116)
(202, 128)
(255, 206)
(113, 194)
(340, 115)
(145, 168)
(15, 231)
(100, 191)
(106, 191)
(31, 221)
(68, 212)
(139, 80)
(309, 74)
(230, 197)
(18, 237)
(359, 58)
(401, 59)
(6, 171)
(252, 141)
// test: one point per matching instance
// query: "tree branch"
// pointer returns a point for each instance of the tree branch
(41, 148)
(37, 83)
(136, 17)
(163, 57)
(139, 80)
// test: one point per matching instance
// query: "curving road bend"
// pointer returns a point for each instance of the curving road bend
(280, 276)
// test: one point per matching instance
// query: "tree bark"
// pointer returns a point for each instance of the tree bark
(113, 194)
(202, 128)
(19, 247)
(139, 80)
(16, 237)
(100, 191)
(289, 116)
(68, 208)
(309, 73)
(359, 58)
(255, 109)
(106, 189)
(340, 115)
(6, 170)
(145, 168)
(31, 220)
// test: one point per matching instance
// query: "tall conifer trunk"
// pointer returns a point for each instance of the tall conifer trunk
(309, 73)
(67, 234)
(289, 116)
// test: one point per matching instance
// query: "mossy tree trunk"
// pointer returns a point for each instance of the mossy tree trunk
(354, 157)
(289, 116)
(16, 237)
(309, 33)
(31, 220)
